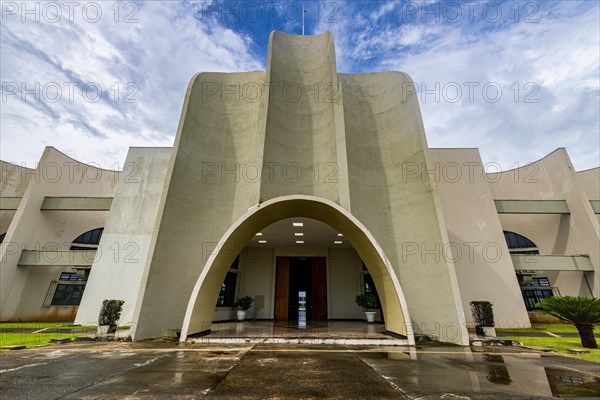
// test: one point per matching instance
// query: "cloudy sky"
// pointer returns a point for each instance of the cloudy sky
(516, 79)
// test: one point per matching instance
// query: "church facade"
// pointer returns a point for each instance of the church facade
(296, 179)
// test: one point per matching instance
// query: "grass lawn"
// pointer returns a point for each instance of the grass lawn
(40, 325)
(30, 339)
(556, 328)
(35, 333)
(559, 345)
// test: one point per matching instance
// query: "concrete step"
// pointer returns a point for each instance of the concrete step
(291, 340)
(478, 341)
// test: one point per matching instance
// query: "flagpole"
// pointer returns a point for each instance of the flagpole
(303, 20)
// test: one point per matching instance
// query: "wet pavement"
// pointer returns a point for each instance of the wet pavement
(119, 370)
(544, 334)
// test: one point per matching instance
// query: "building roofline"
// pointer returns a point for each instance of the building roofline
(532, 162)
(81, 162)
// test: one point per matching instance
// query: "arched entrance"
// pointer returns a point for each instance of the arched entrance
(200, 309)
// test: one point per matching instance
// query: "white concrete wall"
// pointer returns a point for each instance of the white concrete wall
(344, 277)
(23, 289)
(121, 269)
(257, 270)
(13, 183)
(590, 183)
(484, 268)
(553, 178)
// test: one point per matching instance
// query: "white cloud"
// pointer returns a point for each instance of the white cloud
(150, 61)
(555, 61)
(160, 52)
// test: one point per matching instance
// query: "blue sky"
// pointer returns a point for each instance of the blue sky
(516, 79)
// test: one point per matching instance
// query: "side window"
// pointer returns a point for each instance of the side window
(88, 240)
(538, 290)
(519, 244)
(229, 286)
(66, 291)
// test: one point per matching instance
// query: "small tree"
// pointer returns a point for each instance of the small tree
(583, 312)
(367, 301)
(110, 312)
(244, 303)
(483, 315)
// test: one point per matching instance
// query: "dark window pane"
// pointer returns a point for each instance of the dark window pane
(516, 241)
(532, 297)
(67, 295)
(369, 285)
(89, 237)
(227, 294)
(68, 276)
(540, 282)
(95, 236)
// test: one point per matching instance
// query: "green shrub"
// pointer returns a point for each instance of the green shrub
(244, 303)
(483, 313)
(110, 312)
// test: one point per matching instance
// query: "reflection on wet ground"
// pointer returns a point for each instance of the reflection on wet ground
(175, 371)
(467, 373)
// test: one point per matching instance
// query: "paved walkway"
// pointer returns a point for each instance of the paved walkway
(118, 370)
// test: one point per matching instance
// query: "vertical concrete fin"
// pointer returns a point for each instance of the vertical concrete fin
(300, 152)
(208, 187)
(395, 198)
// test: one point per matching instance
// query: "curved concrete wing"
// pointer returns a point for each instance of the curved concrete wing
(33, 228)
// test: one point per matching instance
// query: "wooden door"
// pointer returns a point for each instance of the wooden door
(282, 287)
(319, 289)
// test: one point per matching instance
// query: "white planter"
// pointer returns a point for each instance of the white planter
(241, 315)
(489, 331)
(102, 330)
(370, 316)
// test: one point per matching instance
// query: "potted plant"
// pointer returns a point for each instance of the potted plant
(370, 303)
(109, 316)
(483, 314)
(242, 305)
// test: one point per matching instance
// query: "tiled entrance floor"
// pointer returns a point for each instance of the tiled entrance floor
(327, 332)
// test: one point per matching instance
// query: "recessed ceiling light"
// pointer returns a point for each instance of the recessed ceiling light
(262, 241)
(338, 242)
(339, 234)
(259, 234)
(300, 241)
(298, 234)
(298, 223)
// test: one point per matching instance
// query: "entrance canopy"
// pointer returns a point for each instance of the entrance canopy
(200, 309)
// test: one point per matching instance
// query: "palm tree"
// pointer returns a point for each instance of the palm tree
(583, 312)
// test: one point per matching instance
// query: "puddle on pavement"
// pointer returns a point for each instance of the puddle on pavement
(467, 372)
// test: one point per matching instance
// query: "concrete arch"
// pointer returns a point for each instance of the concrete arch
(200, 309)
